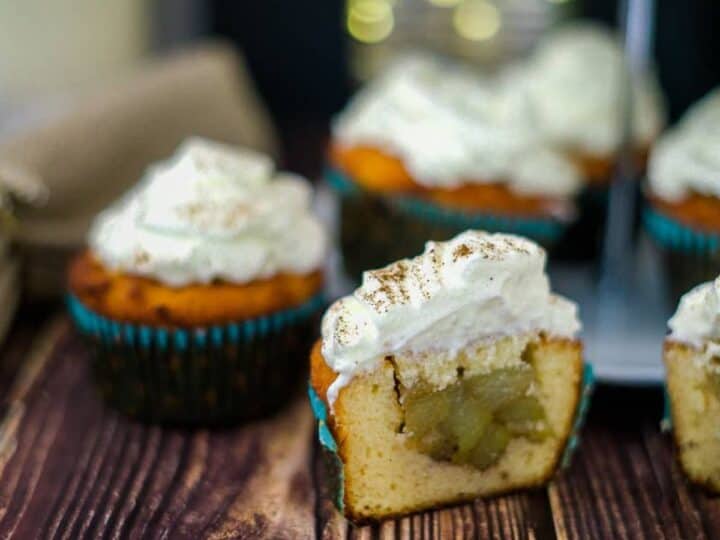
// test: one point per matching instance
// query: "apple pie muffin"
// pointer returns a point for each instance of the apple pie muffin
(450, 376)
(692, 364)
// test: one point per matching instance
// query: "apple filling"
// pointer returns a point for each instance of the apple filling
(473, 420)
(713, 383)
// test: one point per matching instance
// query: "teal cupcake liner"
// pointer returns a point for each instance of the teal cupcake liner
(674, 235)
(690, 256)
(333, 464)
(335, 467)
(377, 230)
(202, 376)
(666, 422)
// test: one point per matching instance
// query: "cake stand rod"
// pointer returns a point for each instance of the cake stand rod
(629, 320)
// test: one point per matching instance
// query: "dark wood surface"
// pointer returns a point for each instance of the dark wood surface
(70, 468)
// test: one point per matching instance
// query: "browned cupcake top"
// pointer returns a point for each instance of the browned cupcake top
(379, 172)
(141, 300)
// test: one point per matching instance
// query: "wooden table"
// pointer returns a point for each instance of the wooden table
(70, 468)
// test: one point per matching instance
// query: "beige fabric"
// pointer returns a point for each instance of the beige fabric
(88, 157)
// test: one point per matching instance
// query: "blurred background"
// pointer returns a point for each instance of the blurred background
(305, 57)
(89, 84)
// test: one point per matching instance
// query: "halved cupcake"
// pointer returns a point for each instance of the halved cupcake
(683, 191)
(453, 375)
(200, 288)
(429, 150)
(692, 364)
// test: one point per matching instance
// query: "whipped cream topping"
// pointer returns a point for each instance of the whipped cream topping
(697, 318)
(211, 212)
(686, 159)
(452, 127)
(476, 286)
(697, 323)
(573, 86)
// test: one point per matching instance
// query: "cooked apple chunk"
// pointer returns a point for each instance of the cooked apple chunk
(472, 421)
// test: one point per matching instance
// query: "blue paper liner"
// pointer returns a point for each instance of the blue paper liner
(335, 464)
(674, 235)
(541, 230)
(209, 375)
(690, 256)
(377, 230)
(666, 422)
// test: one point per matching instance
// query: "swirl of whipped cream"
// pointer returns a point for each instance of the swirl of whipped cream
(211, 212)
(451, 127)
(697, 321)
(687, 159)
(573, 87)
(476, 286)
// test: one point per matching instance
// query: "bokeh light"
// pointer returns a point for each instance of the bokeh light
(370, 21)
(476, 20)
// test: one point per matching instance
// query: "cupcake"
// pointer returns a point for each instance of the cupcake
(573, 87)
(683, 193)
(692, 365)
(200, 287)
(453, 375)
(429, 150)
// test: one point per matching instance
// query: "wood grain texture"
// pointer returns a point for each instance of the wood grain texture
(70, 468)
(625, 482)
(78, 470)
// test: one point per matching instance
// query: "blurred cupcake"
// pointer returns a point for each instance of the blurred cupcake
(683, 193)
(573, 84)
(693, 383)
(429, 150)
(572, 88)
(200, 287)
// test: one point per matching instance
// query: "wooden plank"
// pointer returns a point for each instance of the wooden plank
(624, 482)
(680, 503)
(80, 470)
(15, 349)
(331, 525)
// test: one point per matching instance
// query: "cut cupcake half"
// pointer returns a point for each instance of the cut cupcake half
(692, 364)
(447, 377)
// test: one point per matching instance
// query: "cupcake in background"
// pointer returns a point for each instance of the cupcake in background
(200, 288)
(573, 88)
(428, 150)
(693, 383)
(683, 193)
